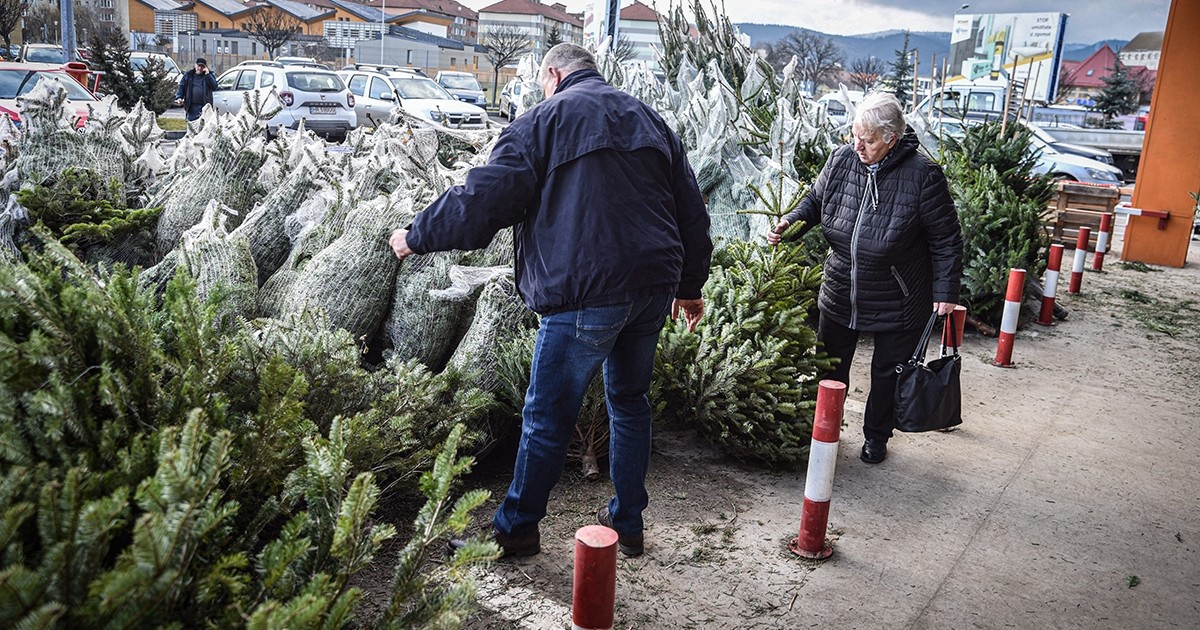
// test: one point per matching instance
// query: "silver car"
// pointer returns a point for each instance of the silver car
(379, 91)
(318, 97)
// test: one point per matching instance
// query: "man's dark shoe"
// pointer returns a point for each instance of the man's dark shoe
(510, 546)
(629, 545)
(874, 451)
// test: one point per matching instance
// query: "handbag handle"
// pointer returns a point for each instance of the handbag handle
(954, 340)
(919, 353)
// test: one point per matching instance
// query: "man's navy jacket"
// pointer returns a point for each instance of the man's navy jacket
(604, 205)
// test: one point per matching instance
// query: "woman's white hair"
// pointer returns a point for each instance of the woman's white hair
(881, 113)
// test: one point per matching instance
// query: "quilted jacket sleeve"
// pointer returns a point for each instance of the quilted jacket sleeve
(940, 221)
(809, 210)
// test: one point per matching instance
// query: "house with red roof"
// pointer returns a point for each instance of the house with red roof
(463, 23)
(534, 19)
(639, 25)
(1083, 80)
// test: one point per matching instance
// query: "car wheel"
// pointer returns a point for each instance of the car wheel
(1063, 177)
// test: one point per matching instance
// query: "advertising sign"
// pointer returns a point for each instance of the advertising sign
(995, 46)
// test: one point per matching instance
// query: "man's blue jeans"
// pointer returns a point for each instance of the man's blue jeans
(571, 347)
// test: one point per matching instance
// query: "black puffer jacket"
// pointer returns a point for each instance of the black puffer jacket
(889, 264)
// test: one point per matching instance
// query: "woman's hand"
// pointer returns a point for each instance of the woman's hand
(944, 308)
(773, 236)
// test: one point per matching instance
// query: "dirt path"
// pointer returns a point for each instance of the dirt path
(1071, 474)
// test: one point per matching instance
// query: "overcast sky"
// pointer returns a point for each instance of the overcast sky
(1090, 20)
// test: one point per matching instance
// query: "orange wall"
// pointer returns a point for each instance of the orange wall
(141, 17)
(1170, 164)
(216, 19)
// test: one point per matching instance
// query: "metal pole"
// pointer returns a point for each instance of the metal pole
(382, 34)
(66, 10)
(916, 64)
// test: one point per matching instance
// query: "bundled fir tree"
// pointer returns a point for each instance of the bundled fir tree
(1000, 201)
(145, 451)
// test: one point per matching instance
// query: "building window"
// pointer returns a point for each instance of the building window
(234, 44)
(408, 58)
(204, 45)
(452, 64)
(253, 48)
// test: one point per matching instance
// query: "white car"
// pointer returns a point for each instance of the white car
(140, 59)
(318, 97)
(377, 92)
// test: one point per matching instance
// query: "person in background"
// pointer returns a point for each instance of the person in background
(611, 236)
(895, 251)
(196, 90)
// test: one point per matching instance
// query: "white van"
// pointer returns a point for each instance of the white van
(835, 107)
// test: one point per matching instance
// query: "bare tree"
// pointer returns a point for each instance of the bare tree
(818, 58)
(272, 29)
(41, 22)
(141, 41)
(504, 44)
(10, 19)
(866, 71)
(624, 50)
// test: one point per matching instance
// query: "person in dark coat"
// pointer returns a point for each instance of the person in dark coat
(895, 251)
(196, 90)
(611, 236)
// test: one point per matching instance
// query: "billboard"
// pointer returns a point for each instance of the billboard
(995, 46)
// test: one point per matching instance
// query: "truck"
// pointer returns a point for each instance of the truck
(984, 99)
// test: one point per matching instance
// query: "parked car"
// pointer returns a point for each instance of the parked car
(287, 61)
(1043, 137)
(1069, 167)
(18, 79)
(835, 107)
(318, 97)
(379, 92)
(463, 85)
(140, 59)
(510, 96)
(46, 55)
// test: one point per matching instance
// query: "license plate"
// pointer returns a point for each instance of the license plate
(322, 109)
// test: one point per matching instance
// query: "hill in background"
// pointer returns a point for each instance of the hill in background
(884, 44)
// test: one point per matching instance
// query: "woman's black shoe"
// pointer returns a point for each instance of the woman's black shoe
(874, 451)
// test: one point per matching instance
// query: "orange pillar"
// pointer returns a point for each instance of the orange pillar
(1170, 165)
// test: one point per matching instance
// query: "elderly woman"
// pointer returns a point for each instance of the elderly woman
(895, 253)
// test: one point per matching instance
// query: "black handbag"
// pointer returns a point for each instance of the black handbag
(929, 395)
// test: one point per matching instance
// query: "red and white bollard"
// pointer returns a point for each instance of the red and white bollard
(818, 485)
(1008, 323)
(1050, 287)
(959, 320)
(1081, 246)
(593, 595)
(1102, 240)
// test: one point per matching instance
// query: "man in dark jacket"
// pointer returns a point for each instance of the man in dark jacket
(611, 232)
(196, 90)
(895, 250)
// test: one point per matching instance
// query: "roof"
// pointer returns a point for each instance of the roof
(525, 7)
(228, 8)
(437, 18)
(639, 11)
(1145, 42)
(421, 36)
(166, 5)
(301, 12)
(1087, 73)
(362, 11)
(325, 4)
(444, 7)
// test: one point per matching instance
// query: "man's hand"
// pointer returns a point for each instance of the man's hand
(693, 310)
(399, 243)
(943, 308)
(773, 236)
(178, 102)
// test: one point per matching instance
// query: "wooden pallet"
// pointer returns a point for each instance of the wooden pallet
(1079, 205)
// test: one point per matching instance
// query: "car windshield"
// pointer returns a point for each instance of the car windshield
(315, 82)
(420, 88)
(141, 62)
(44, 55)
(460, 82)
(14, 83)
